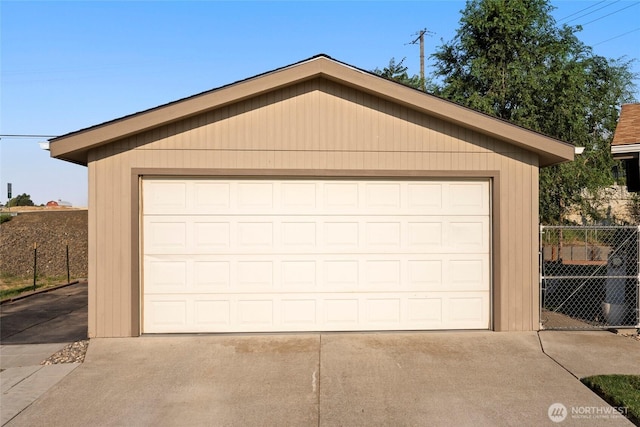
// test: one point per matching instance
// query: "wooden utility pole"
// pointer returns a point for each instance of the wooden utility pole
(420, 38)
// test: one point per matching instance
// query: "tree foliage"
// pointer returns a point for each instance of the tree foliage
(399, 72)
(510, 59)
(20, 200)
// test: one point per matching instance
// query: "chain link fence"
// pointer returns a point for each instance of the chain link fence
(589, 277)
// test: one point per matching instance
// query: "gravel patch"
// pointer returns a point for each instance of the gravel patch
(632, 336)
(72, 353)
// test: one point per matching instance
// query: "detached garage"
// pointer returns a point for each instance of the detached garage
(316, 197)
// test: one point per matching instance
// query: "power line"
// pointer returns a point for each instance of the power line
(593, 11)
(619, 10)
(581, 10)
(617, 37)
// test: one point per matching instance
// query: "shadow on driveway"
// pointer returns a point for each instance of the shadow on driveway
(50, 317)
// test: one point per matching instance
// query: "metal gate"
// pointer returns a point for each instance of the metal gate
(589, 277)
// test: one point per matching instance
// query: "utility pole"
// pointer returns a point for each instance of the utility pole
(420, 38)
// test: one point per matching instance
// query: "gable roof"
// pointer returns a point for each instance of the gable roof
(628, 128)
(74, 146)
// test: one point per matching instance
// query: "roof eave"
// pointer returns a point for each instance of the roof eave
(625, 151)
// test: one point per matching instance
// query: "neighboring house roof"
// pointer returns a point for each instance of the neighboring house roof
(74, 146)
(627, 136)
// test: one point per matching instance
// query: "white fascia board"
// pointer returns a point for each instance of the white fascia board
(627, 148)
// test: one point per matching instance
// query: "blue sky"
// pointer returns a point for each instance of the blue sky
(69, 65)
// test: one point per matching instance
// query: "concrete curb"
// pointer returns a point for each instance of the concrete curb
(36, 292)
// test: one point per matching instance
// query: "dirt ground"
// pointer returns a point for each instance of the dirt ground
(51, 230)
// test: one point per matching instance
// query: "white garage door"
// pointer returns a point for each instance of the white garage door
(315, 255)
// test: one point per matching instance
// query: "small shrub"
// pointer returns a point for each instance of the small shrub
(4, 218)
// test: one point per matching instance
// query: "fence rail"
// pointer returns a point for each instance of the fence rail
(589, 277)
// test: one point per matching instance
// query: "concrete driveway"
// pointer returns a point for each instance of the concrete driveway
(375, 379)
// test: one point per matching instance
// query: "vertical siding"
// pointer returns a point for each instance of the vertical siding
(534, 232)
(314, 126)
(92, 235)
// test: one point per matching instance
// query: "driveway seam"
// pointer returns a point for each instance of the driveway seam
(551, 357)
(23, 379)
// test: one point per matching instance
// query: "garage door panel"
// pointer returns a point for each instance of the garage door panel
(383, 235)
(341, 274)
(383, 311)
(425, 236)
(210, 236)
(255, 274)
(324, 312)
(214, 276)
(300, 312)
(443, 235)
(167, 275)
(468, 235)
(195, 234)
(424, 311)
(425, 198)
(385, 274)
(383, 196)
(255, 195)
(465, 311)
(452, 198)
(167, 196)
(168, 314)
(341, 312)
(167, 235)
(316, 273)
(256, 312)
(301, 275)
(299, 235)
(467, 198)
(211, 196)
(342, 235)
(254, 235)
(211, 313)
(302, 255)
(301, 196)
(468, 274)
(341, 196)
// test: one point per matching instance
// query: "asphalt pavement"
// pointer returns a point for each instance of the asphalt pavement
(31, 330)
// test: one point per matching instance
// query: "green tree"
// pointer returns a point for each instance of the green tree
(510, 59)
(399, 73)
(20, 200)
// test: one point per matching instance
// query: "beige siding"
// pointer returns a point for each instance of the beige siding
(313, 126)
